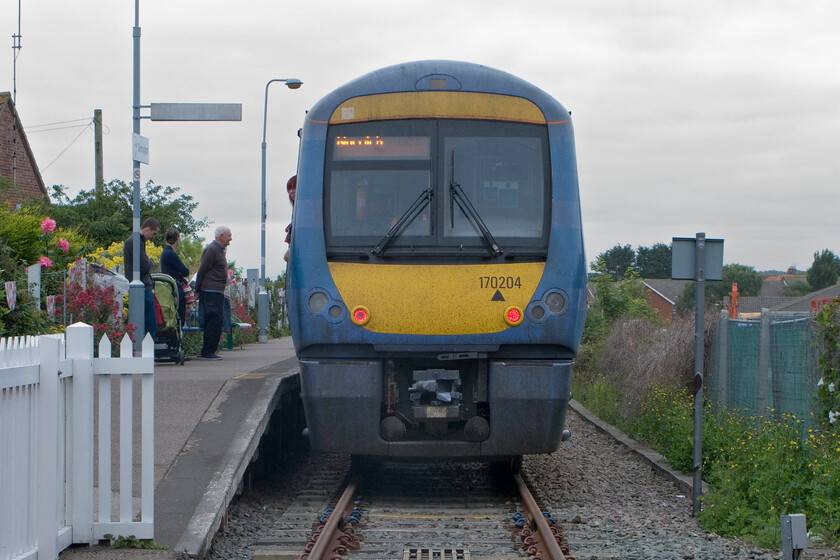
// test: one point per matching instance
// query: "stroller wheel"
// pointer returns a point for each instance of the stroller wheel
(181, 356)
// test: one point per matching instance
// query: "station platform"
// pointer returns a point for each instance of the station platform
(209, 417)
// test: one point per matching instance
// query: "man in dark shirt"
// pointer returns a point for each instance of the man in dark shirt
(148, 231)
(210, 283)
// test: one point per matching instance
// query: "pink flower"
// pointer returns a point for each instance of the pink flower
(45, 261)
(48, 225)
(63, 244)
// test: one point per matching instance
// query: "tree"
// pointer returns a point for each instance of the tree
(825, 270)
(107, 216)
(615, 261)
(797, 289)
(624, 299)
(190, 251)
(749, 284)
(654, 262)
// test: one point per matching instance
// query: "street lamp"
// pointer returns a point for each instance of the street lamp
(262, 302)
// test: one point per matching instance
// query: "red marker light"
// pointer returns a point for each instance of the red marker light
(513, 316)
(360, 315)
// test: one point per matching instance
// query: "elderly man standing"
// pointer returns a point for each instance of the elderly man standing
(148, 230)
(210, 285)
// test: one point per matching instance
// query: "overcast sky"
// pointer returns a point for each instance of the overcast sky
(716, 116)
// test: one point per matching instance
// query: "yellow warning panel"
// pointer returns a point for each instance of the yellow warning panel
(437, 104)
(436, 299)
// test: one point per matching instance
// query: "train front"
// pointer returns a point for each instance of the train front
(436, 283)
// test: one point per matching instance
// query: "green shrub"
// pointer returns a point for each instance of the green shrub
(828, 387)
(666, 423)
(21, 232)
(757, 469)
(27, 319)
(600, 397)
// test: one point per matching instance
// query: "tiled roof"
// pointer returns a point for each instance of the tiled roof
(670, 289)
(756, 304)
(774, 286)
(804, 303)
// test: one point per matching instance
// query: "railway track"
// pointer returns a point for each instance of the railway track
(410, 511)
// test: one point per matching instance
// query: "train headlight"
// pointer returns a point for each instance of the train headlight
(360, 315)
(513, 315)
(555, 302)
(318, 302)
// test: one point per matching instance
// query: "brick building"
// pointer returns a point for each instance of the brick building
(662, 295)
(20, 179)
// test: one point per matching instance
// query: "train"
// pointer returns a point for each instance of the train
(436, 284)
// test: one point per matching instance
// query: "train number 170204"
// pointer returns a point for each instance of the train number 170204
(496, 282)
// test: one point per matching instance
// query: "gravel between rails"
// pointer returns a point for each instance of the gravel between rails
(610, 502)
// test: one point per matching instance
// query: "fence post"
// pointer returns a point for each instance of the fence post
(80, 351)
(48, 476)
(723, 359)
(147, 480)
(762, 401)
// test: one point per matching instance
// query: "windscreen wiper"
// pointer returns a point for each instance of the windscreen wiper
(405, 220)
(456, 194)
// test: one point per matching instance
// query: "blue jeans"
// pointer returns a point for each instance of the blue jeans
(149, 312)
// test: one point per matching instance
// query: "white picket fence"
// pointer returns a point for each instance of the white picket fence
(53, 393)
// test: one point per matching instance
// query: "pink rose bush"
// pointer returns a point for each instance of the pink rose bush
(48, 225)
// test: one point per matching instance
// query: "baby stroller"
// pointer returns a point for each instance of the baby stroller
(169, 342)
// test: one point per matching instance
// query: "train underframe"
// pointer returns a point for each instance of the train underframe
(460, 405)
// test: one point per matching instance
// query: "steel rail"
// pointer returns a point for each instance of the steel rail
(329, 538)
(547, 541)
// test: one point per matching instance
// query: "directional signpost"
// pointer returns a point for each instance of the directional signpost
(140, 154)
(698, 259)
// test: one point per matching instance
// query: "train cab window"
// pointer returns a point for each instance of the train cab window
(374, 175)
(502, 170)
(448, 188)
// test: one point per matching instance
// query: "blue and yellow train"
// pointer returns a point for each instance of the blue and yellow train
(437, 280)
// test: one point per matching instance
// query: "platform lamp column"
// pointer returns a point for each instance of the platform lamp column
(262, 300)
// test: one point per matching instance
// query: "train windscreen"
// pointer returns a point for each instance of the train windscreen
(437, 187)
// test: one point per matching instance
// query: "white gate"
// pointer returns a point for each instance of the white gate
(48, 392)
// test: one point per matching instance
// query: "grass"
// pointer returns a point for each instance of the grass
(757, 468)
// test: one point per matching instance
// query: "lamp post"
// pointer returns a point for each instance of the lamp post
(136, 310)
(262, 301)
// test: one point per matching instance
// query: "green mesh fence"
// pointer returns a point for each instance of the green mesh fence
(765, 366)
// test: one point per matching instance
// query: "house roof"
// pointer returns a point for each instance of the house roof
(668, 289)
(7, 112)
(804, 303)
(774, 286)
(756, 304)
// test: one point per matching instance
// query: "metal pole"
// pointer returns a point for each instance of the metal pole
(99, 181)
(136, 290)
(699, 320)
(262, 299)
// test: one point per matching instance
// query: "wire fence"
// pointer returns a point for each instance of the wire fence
(766, 366)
